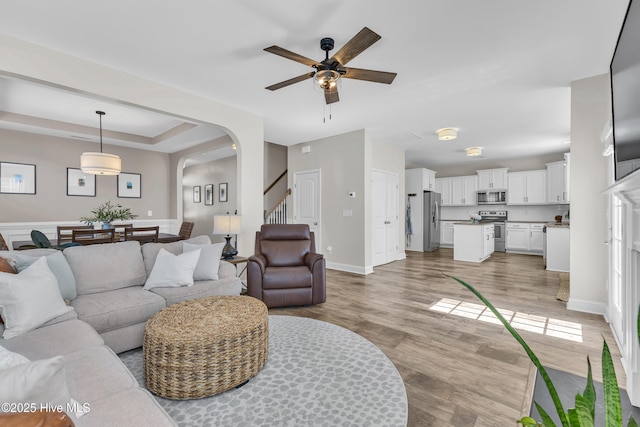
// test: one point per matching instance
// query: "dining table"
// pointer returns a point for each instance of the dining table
(28, 244)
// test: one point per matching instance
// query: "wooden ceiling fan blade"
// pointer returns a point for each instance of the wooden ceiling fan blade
(356, 46)
(291, 81)
(331, 96)
(369, 75)
(276, 50)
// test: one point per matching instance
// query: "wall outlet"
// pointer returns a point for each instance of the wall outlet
(329, 249)
(347, 212)
(149, 213)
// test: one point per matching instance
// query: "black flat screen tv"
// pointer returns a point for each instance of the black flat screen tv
(625, 94)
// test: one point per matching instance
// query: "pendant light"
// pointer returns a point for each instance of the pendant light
(100, 163)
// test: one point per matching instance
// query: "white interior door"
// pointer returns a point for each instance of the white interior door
(384, 217)
(306, 201)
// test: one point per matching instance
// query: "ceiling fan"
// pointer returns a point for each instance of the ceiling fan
(328, 71)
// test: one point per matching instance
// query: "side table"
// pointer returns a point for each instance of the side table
(239, 260)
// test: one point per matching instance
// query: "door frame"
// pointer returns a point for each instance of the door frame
(318, 235)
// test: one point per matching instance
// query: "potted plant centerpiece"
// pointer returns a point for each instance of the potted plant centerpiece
(108, 212)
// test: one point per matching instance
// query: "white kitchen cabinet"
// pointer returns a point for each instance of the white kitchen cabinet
(443, 186)
(419, 179)
(472, 242)
(463, 190)
(556, 182)
(527, 188)
(490, 179)
(524, 237)
(446, 234)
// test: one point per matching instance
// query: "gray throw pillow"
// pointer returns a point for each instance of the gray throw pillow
(59, 267)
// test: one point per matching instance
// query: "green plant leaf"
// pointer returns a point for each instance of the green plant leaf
(582, 413)
(546, 419)
(613, 409)
(589, 394)
(543, 373)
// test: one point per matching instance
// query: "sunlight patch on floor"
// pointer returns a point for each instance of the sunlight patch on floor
(525, 322)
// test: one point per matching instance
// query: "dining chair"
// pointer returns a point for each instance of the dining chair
(92, 237)
(64, 232)
(121, 227)
(185, 230)
(3, 244)
(142, 234)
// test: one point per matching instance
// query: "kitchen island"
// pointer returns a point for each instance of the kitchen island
(557, 246)
(472, 241)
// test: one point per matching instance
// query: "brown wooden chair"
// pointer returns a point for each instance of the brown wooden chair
(185, 230)
(142, 234)
(92, 237)
(65, 232)
(3, 244)
(121, 227)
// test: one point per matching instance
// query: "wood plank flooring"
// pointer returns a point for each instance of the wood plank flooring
(460, 371)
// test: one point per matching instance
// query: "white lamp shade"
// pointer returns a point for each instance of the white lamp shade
(100, 163)
(474, 151)
(227, 224)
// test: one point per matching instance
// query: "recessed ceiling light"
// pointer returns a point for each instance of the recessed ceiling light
(447, 134)
(473, 151)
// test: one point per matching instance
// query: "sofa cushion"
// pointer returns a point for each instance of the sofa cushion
(150, 250)
(206, 288)
(100, 268)
(59, 267)
(57, 339)
(106, 311)
(171, 271)
(287, 277)
(29, 299)
(209, 261)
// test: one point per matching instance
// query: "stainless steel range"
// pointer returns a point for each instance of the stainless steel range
(498, 218)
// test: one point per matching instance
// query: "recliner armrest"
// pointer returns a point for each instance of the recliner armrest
(311, 259)
(260, 260)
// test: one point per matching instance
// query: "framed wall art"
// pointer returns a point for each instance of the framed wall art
(129, 185)
(208, 194)
(222, 192)
(196, 194)
(80, 183)
(17, 178)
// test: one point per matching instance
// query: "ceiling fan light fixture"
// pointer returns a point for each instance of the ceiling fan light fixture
(100, 163)
(327, 79)
(473, 151)
(447, 134)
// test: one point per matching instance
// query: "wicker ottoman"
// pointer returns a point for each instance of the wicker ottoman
(205, 346)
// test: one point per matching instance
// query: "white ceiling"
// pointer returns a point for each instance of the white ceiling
(499, 70)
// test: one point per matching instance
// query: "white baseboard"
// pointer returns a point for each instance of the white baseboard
(401, 256)
(587, 306)
(350, 268)
(16, 231)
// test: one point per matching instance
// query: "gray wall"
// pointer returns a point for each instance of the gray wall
(216, 172)
(590, 110)
(52, 156)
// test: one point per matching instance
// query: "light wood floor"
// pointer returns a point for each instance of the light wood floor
(460, 371)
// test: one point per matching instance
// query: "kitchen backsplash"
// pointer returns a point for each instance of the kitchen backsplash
(515, 213)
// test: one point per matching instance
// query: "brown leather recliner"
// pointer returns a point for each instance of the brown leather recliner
(285, 270)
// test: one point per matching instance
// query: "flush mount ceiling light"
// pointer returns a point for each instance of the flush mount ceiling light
(447, 134)
(100, 163)
(473, 151)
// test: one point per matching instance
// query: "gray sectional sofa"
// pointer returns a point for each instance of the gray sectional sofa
(110, 311)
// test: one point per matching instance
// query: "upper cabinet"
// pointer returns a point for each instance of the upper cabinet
(458, 190)
(419, 180)
(558, 181)
(527, 188)
(490, 179)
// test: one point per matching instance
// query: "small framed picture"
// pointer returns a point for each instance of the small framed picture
(80, 183)
(196, 194)
(17, 178)
(222, 192)
(208, 194)
(129, 185)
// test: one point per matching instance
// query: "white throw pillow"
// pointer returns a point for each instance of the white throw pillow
(209, 262)
(9, 358)
(171, 270)
(39, 382)
(29, 299)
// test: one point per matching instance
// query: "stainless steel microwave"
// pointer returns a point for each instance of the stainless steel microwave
(491, 197)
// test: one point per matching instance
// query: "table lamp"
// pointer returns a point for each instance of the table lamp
(227, 225)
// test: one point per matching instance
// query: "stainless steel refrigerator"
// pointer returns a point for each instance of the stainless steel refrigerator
(431, 218)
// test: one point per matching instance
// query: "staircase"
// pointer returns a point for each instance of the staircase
(278, 214)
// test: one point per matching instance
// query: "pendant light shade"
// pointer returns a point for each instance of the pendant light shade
(100, 163)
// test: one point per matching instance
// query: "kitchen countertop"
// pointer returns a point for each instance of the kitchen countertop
(557, 225)
(462, 222)
(529, 222)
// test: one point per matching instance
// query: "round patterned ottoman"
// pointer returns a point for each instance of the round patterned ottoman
(205, 346)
